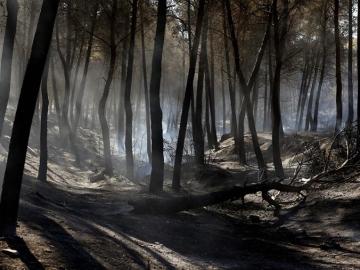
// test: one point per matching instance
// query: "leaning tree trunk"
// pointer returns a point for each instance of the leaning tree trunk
(245, 87)
(157, 160)
(309, 120)
(42, 174)
(338, 69)
(127, 99)
(187, 98)
(7, 58)
(10, 196)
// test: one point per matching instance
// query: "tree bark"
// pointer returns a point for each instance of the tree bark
(10, 196)
(79, 99)
(146, 88)
(157, 160)
(42, 174)
(350, 67)
(127, 99)
(7, 57)
(338, 69)
(187, 98)
(245, 87)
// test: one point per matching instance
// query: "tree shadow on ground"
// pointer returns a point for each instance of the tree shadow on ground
(25, 254)
(69, 248)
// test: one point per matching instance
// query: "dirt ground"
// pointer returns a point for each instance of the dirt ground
(73, 223)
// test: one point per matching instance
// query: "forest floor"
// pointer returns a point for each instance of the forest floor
(71, 222)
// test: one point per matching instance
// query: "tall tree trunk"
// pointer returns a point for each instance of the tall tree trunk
(211, 68)
(102, 104)
(358, 75)
(80, 95)
(187, 98)
(314, 127)
(246, 86)
(309, 119)
(223, 99)
(127, 99)
(350, 67)
(304, 96)
(10, 196)
(55, 93)
(121, 107)
(279, 37)
(146, 88)
(42, 174)
(265, 117)
(338, 69)
(231, 86)
(198, 133)
(7, 57)
(157, 160)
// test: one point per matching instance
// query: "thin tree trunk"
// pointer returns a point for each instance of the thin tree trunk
(231, 86)
(127, 99)
(187, 98)
(350, 67)
(279, 37)
(198, 133)
(245, 87)
(338, 69)
(10, 196)
(309, 119)
(42, 174)
(7, 58)
(146, 88)
(80, 95)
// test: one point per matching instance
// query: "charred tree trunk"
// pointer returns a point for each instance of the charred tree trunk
(7, 57)
(309, 119)
(55, 93)
(127, 99)
(157, 160)
(234, 128)
(279, 37)
(102, 105)
(358, 75)
(121, 110)
(42, 174)
(146, 88)
(198, 133)
(22, 124)
(350, 67)
(338, 69)
(187, 98)
(80, 96)
(245, 87)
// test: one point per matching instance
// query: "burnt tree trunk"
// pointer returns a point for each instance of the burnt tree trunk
(146, 88)
(127, 98)
(42, 174)
(350, 67)
(187, 98)
(338, 69)
(7, 57)
(157, 159)
(10, 196)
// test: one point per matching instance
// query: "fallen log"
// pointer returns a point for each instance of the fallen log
(161, 205)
